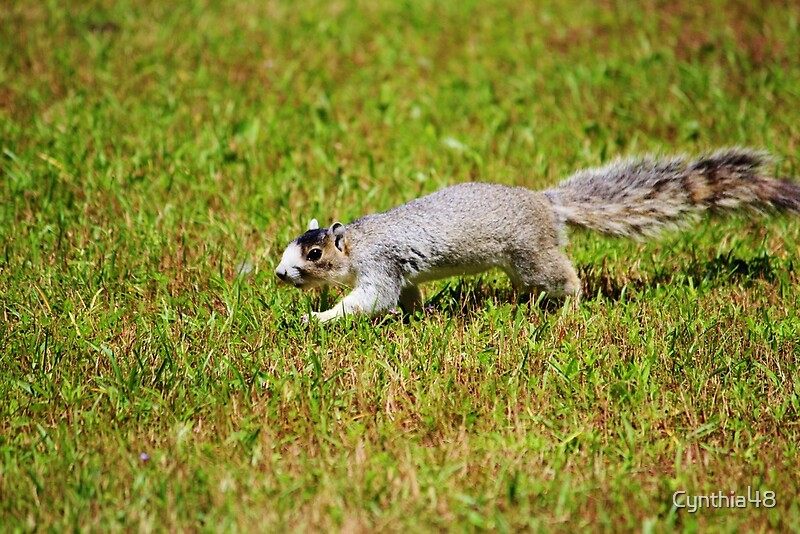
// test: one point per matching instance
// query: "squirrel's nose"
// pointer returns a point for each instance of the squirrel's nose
(281, 272)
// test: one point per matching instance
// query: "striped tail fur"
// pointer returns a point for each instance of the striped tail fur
(642, 197)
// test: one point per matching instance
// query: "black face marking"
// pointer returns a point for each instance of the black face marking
(312, 237)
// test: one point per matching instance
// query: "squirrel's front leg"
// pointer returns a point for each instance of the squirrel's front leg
(369, 299)
(334, 313)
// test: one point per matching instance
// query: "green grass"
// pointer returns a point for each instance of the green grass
(152, 152)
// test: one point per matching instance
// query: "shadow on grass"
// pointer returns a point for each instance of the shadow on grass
(467, 296)
(721, 270)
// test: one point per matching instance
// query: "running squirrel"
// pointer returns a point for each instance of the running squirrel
(472, 227)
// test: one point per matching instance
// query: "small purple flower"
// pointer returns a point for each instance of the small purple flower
(144, 457)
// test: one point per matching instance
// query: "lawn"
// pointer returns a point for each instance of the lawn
(158, 156)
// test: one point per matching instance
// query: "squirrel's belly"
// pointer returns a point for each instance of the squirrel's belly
(439, 272)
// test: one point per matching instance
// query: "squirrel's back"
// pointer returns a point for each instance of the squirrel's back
(463, 228)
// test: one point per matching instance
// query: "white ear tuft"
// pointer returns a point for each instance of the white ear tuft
(313, 224)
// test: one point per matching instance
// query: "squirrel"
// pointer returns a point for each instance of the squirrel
(472, 227)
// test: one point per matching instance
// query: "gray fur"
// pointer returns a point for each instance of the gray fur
(642, 197)
(472, 227)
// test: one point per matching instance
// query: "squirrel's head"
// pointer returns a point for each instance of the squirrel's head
(316, 258)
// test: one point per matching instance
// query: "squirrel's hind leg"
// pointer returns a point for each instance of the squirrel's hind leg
(410, 299)
(551, 273)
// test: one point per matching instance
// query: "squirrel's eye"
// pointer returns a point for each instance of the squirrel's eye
(314, 255)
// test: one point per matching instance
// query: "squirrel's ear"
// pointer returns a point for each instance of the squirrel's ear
(337, 231)
(313, 224)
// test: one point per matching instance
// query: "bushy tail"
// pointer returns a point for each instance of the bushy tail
(642, 197)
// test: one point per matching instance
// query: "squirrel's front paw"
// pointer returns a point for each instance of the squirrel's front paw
(306, 317)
